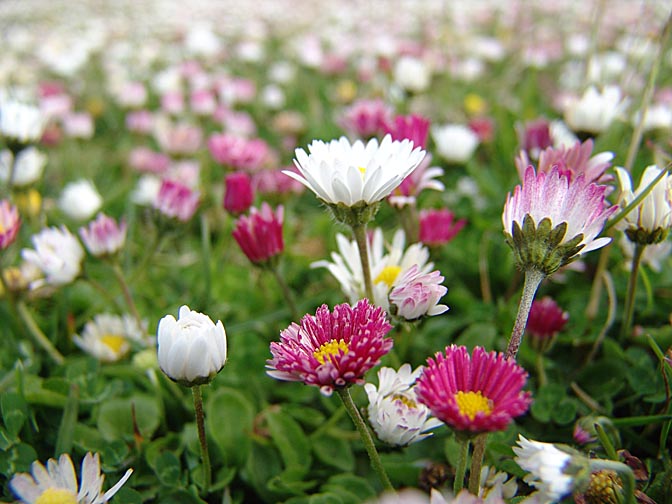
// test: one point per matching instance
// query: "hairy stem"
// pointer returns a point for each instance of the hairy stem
(533, 278)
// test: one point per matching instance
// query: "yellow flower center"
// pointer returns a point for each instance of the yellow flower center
(474, 104)
(330, 348)
(2, 228)
(407, 401)
(113, 341)
(471, 403)
(362, 170)
(388, 275)
(56, 496)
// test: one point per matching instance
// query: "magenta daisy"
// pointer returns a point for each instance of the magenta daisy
(331, 350)
(477, 393)
(259, 235)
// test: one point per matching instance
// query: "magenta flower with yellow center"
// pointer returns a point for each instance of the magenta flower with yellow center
(331, 350)
(477, 393)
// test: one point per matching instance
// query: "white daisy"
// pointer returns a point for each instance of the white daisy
(338, 172)
(546, 465)
(109, 337)
(20, 122)
(58, 482)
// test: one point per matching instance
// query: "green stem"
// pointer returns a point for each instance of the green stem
(477, 463)
(541, 370)
(625, 472)
(461, 468)
(533, 278)
(596, 288)
(206, 249)
(630, 293)
(367, 439)
(408, 216)
(286, 291)
(200, 424)
(37, 334)
(360, 237)
(126, 291)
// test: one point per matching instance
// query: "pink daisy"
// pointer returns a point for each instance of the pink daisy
(477, 393)
(9, 224)
(331, 349)
(260, 235)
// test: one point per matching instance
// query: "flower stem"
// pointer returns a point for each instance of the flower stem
(625, 472)
(35, 331)
(200, 424)
(477, 463)
(360, 237)
(286, 291)
(461, 468)
(119, 275)
(630, 293)
(533, 278)
(541, 371)
(367, 439)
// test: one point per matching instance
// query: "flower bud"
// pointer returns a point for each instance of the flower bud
(191, 349)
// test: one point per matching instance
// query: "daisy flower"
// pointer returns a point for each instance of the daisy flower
(331, 349)
(58, 482)
(477, 393)
(110, 337)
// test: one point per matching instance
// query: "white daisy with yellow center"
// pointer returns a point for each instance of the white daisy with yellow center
(57, 483)
(110, 338)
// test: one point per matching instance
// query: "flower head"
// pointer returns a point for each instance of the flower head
(58, 483)
(238, 152)
(545, 320)
(80, 200)
(366, 118)
(650, 221)
(551, 220)
(259, 235)
(411, 127)
(595, 110)
(477, 393)
(438, 227)
(331, 349)
(455, 143)
(346, 176)
(394, 411)
(109, 337)
(546, 465)
(238, 194)
(176, 200)
(418, 294)
(57, 253)
(104, 236)
(191, 349)
(9, 224)
(423, 177)
(20, 123)
(28, 165)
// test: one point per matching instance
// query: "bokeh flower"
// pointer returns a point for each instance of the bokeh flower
(191, 349)
(104, 236)
(238, 193)
(412, 127)
(80, 199)
(331, 349)
(366, 118)
(455, 143)
(477, 393)
(595, 110)
(439, 226)
(175, 200)
(545, 321)
(57, 254)
(9, 223)
(110, 338)
(238, 152)
(57, 483)
(28, 166)
(394, 411)
(259, 235)
(20, 123)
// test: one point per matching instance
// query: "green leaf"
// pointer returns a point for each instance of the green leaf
(262, 464)
(228, 419)
(128, 496)
(481, 334)
(180, 497)
(290, 482)
(168, 469)
(335, 452)
(565, 411)
(116, 417)
(289, 438)
(352, 489)
(14, 413)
